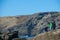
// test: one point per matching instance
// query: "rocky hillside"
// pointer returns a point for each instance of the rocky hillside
(29, 24)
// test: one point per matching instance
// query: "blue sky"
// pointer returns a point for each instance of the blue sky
(26, 7)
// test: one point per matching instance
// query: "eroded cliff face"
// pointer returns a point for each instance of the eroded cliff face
(29, 24)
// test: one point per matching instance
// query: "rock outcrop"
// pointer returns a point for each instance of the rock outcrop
(30, 24)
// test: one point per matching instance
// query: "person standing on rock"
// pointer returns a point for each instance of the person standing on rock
(52, 25)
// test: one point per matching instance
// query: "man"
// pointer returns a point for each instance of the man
(52, 25)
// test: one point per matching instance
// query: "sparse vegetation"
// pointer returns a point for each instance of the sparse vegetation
(52, 35)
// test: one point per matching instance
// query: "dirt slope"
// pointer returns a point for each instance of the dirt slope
(52, 35)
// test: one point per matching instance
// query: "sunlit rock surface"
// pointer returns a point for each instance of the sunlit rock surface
(30, 25)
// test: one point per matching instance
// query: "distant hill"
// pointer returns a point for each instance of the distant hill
(29, 24)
